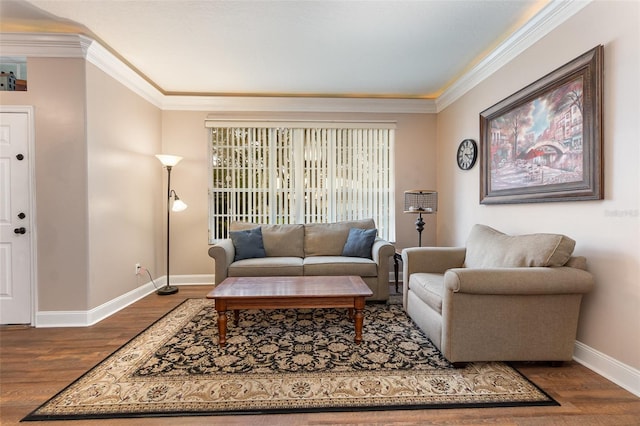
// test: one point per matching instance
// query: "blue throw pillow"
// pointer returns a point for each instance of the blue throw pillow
(248, 243)
(359, 242)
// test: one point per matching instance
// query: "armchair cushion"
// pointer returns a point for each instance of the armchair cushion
(429, 288)
(489, 248)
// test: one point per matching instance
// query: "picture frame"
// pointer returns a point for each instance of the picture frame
(544, 143)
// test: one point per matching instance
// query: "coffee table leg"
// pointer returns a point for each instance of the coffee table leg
(359, 318)
(221, 308)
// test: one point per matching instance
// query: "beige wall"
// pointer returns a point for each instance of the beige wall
(183, 133)
(57, 92)
(98, 184)
(607, 232)
(125, 192)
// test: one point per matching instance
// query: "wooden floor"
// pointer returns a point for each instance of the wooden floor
(37, 363)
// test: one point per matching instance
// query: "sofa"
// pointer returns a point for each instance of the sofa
(499, 298)
(340, 248)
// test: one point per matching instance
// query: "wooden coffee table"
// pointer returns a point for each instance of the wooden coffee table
(236, 293)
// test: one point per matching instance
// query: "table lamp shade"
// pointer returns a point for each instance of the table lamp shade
(420, 201)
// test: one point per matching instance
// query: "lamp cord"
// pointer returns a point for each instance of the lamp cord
(150, 277)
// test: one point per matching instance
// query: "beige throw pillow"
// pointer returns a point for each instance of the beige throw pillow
(328, 239)
(279, 240)
(489, 248)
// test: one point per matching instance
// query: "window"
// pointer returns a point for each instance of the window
(300, 172)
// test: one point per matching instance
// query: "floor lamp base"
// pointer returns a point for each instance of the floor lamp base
(167, 290)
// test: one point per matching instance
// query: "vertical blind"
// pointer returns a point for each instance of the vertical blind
(295, 172)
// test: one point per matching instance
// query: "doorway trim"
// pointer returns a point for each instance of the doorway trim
(29, 110)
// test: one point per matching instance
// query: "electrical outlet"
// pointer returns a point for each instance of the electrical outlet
(138, 267)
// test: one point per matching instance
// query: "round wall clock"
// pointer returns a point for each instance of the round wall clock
(467, 154)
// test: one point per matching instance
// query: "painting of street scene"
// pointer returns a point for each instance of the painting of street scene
(539, 143)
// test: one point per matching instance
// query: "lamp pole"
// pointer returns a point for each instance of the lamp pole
(420, 228)
(168, 289)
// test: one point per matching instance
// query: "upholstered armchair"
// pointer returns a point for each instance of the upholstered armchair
(500, 298)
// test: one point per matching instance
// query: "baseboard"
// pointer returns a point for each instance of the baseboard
(203, 279)
(619, 373)
(48, 319)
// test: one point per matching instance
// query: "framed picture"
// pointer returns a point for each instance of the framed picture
(544, 143)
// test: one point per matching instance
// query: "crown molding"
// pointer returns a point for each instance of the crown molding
(547, 19)
(59, 45)
(297, 104)
(114, 67)
(51, 45)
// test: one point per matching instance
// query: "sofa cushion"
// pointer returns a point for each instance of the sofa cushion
(428, 287)
(266, 267)
(248, 244)
(489, 248)
(328, 239)
(339, 265)
(279, 240)
(359, 242)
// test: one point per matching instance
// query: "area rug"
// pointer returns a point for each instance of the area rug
(282, 361)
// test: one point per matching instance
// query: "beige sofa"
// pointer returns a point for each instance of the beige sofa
(309, 249)
(500, 298)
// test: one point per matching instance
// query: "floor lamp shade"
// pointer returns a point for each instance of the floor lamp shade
(169, 161)
(420, 201)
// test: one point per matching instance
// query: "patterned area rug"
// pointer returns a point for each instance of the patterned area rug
(279, 361)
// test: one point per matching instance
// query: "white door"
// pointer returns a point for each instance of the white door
(15, 219)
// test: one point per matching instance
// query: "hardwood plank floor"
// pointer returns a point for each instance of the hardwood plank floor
(35, 364)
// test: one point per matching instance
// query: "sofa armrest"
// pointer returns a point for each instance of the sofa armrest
(518, 281)
(434, 260)
(381, 251)
(223, 252)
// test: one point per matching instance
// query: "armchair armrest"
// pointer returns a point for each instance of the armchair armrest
(518, 281)
(223, 253)
(434, 260)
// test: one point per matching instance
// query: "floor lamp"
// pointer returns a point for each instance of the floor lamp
(168, 161)
(420, 201)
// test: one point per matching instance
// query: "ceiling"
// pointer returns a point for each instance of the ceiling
(385, 49)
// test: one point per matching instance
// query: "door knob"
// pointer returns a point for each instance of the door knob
(20, 230)
(21, 215)
(20, 157)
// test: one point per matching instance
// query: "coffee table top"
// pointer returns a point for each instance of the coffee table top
(306, 286)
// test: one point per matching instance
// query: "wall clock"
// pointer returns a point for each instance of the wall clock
(467, 154)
